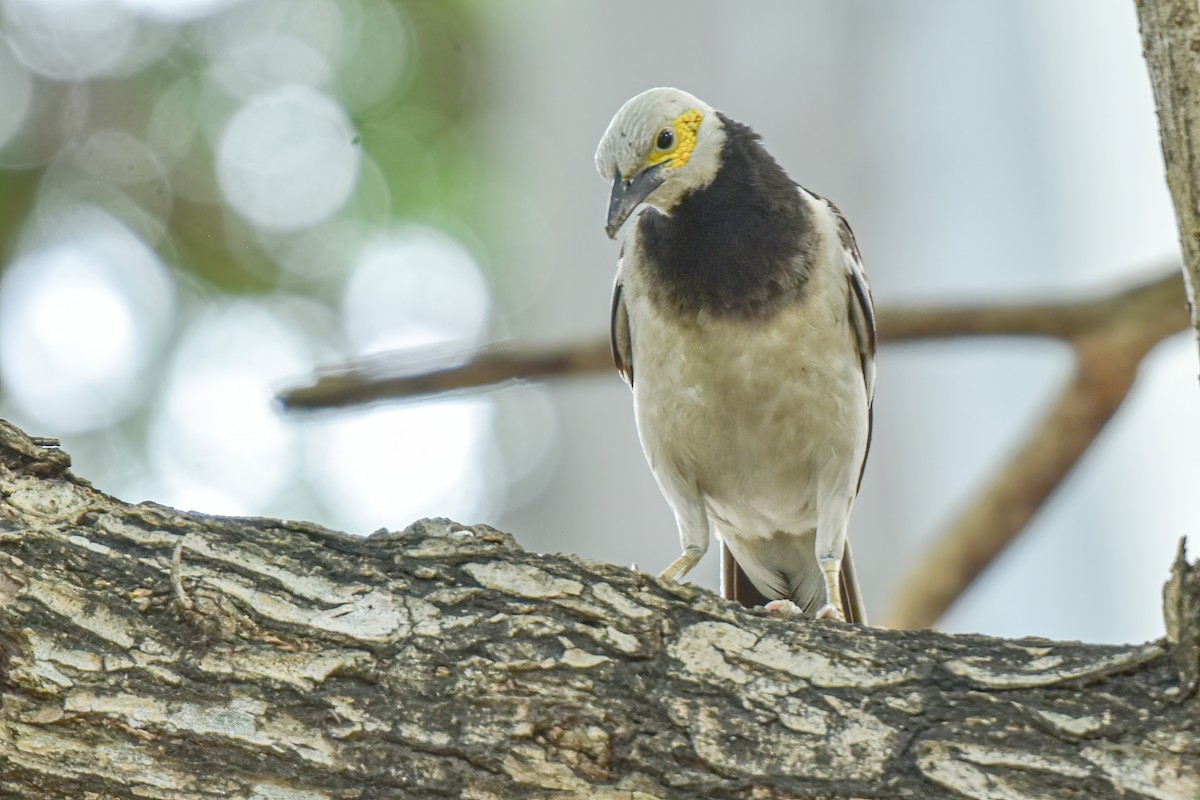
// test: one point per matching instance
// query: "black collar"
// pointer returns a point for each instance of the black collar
(734, 247)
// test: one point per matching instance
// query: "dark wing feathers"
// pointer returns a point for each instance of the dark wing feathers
(622, 346)
(862, 310)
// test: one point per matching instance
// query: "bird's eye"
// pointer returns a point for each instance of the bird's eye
(666, 138)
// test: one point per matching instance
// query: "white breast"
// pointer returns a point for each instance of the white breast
(762, 415)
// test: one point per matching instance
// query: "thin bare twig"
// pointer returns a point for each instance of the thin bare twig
(417, 373)
(359, 384)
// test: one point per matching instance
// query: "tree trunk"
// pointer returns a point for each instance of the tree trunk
(147, 652)
(1171, 41)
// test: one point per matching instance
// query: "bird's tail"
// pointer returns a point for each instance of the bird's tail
(736, 585)
(852, 600)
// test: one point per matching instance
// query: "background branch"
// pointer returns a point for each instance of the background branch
(407, 375)
(412, 374)
(444, 661)
(1110, 338)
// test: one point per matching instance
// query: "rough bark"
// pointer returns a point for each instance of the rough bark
(1171, 42)
(147, 652)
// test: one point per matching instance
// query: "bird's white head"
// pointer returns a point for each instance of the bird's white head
(661, 145)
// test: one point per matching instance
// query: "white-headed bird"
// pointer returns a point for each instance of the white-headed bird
(742, 320)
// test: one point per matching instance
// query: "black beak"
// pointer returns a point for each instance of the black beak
(626, 195)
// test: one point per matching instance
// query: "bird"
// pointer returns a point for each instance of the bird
(742, 320)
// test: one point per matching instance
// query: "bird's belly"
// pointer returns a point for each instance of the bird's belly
(758, 416)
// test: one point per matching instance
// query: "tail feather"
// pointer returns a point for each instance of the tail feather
(807, 591)
(852, 601)
(736, 584)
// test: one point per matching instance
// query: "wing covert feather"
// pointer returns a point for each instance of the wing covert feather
(622, 345)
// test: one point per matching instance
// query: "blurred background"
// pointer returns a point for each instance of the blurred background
(203, 200)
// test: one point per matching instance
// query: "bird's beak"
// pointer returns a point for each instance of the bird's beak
(627, 194)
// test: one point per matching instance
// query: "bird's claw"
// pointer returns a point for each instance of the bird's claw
(829, 611)
(783, 608)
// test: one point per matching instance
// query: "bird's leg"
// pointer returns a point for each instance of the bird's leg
(693, 535)
(833, 514)
(831, 570)
(683, 565)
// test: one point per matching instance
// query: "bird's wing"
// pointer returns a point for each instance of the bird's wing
(622, 347)
(862, 309)
(862, 321)
(862, 317)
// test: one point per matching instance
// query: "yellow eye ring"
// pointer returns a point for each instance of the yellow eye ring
(679, 139)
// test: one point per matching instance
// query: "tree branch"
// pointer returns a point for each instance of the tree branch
(412, 374)
(1171, 42)
(1110, 338)
(444, 661)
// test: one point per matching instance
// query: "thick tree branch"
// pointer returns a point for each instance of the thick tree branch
(1171, 41)
(444, 661)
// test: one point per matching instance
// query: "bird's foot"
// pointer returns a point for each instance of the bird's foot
(831, 570)
(783, 608)
(682, 565)
(830, 611)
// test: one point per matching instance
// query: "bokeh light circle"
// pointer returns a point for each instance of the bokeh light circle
(288, 159)
(70, 39)
(114, 171)
(412, 287)
(386, 467)
(216, 439)
(177, 10)
(83, 312)
(260, 63)
(16, 87)
(379, 50)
